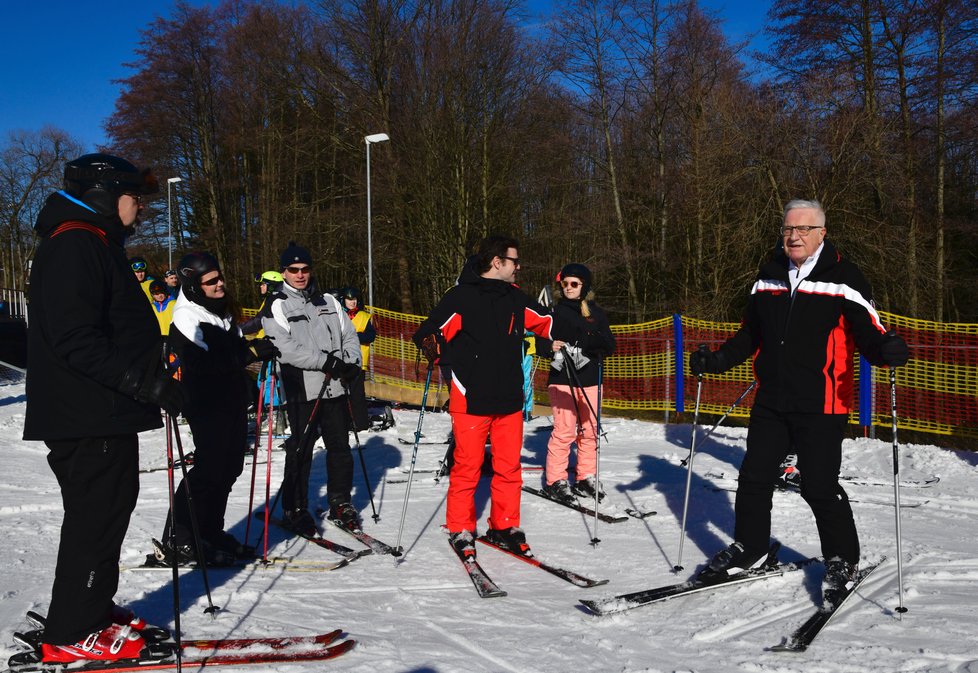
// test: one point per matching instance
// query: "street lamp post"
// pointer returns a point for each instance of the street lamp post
(369, 140)
(169, 219)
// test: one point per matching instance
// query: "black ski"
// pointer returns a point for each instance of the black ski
(345, 552)
(482, 582)
(576, 505)
(636, 599)
(421, 443)
(639, 514)
(375, 545)
(806, 633)
(790, 489)
(564, 574)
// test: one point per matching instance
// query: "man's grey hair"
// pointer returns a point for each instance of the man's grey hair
(807, 205)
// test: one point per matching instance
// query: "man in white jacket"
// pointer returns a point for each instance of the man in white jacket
(320, 354)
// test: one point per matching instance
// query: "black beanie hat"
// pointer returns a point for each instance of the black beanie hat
(574, 270)
(294, 254)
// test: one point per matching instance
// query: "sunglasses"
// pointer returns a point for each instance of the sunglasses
(297, 270)
(571, 283)
(139, 266)
(514, 260)
(213, 281)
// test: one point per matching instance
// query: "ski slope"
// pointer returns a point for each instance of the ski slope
(421, 614)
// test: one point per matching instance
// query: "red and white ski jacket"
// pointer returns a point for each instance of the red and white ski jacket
(480, 323)
(803, 344)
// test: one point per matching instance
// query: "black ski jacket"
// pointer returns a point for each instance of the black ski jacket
(89, 322)
(596, 341)
(803, 345)
(481, 322)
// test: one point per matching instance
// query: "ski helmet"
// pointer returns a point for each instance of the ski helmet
(190, 270)
(269, 278)
(157, 287)
(574, 270)
(99, 180)
(350, 292)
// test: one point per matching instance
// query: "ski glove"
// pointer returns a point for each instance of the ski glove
(333, 367)
(263, 349)
(429, 348)
(350, 371)
(155, 387)
(704, 361)
(893, 350)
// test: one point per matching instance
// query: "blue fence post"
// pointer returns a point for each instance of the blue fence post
(677, 329)
(865, 393)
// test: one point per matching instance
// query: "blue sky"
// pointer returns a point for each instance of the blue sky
(60, 57)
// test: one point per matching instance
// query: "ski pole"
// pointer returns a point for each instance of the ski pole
(254, 456)
(414, 456)
(211, 608)
(689, 472)
(597, 451)
(572, 374)
(568, 365)
(268, 463)
(727, 413)
(172, 542)
(303, 438)
(363, 463)
(896, 488)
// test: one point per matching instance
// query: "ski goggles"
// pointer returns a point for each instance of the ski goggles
(138, 266)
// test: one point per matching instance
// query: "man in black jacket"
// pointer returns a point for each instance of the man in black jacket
(807, 310)
(95, 379)
(481, 322)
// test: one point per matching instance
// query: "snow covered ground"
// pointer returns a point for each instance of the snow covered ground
(423, 615)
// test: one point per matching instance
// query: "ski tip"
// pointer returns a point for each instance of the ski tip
(592, 606)
(788, 646)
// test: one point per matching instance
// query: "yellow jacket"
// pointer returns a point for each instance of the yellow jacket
(361, 321)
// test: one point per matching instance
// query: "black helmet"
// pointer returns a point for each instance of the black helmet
(190, 269)
(100, 179)
(575, 270)
(350, 292)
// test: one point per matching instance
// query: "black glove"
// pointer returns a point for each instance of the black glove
(263, 349)
(704, 361)
(429, 348)
(333, 367)
(154, 387)
(893, 350)
(350, 372)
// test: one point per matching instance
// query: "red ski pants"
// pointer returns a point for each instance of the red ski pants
(505, 433)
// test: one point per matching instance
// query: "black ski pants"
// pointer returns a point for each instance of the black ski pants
(817, 440)
(329, 423)
(99, 479)
(220, 444)
(358, 403)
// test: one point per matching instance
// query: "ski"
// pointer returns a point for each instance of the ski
(345, 552)
(29, 662)
(861, 501)
(639, 514)
(32, 640)
(375, 545)
(410, 442)
(636, 599)
(480, 580)
(564, 574)
(607, 518)
(803, 636)
(286, 563)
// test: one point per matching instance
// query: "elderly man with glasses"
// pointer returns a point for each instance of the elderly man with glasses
(320, 356)
(807, 310)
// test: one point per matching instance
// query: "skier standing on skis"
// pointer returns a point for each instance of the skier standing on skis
(573, 398)
(213, 354)
(807, 308)
(94, 380)
(320, 354)
(481, 322)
